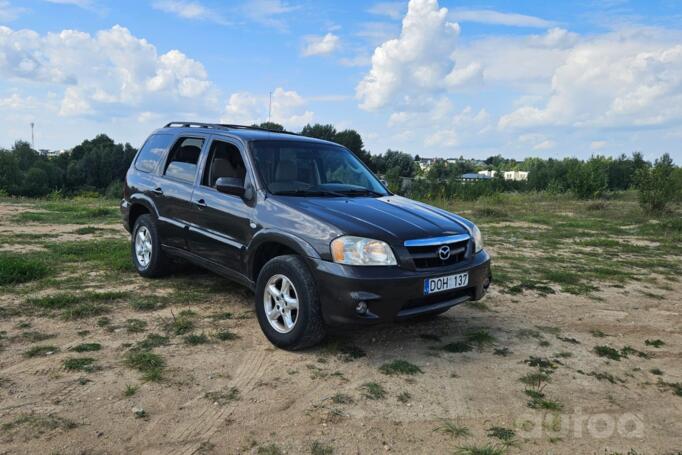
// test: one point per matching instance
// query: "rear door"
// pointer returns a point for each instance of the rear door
(173, 194)
(221, 222)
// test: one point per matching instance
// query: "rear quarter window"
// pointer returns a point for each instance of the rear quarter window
(153, 152)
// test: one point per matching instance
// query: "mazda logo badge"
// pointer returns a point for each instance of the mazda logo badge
(444, 252)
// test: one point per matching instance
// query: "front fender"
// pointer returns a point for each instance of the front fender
(287, 239)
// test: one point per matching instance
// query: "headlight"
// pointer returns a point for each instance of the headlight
(360, 251)
(478, 239)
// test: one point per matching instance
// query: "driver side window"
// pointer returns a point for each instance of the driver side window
(224, 160)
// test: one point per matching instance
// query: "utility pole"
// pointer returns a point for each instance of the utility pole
(33, 144)
(270, 107)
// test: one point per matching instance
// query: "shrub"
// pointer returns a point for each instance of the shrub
(659, 185)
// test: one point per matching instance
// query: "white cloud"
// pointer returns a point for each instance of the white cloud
(268, 12)
(614, 80)
(111, 71)
(288, 109)
(442, 138)
(416, 63)
(544, 145)
(189, 10)
(394, 10)
(85, 4)
(8, 13)
(598, 145)
(498, 18)
(320, 45)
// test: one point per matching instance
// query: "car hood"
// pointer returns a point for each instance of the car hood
(390, 218)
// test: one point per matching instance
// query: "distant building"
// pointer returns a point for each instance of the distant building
(51, 153)
(517, 176)
(488, 173)
(473, 177)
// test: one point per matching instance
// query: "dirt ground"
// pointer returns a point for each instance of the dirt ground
(315, 401)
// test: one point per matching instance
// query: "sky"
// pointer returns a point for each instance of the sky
(435, 78)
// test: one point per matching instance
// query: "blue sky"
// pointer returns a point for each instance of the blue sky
(434, 78)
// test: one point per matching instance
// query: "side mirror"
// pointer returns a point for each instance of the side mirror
(230, 185)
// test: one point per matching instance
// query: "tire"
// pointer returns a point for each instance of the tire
(157, 264)
(308, 327)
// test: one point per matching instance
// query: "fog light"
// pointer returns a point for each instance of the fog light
(361, 308)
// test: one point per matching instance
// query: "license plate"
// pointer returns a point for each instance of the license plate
(445, 283)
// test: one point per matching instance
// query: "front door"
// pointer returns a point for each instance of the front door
(221, 227)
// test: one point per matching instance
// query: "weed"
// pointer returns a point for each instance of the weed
(603, 376)
(544, 343)
(148, 363)
(597, 333)
(564, 354)
(103, 322)
(136, 325)
(655, 343)
(457, 347)
(544, 403)
(180, 326)
(270, 449)
(536, 379)
(350, 352)
(86, 347)
(373, 391)
(656, 371)
(628, 350)
(541, 362)
(404, 397)
(130, 390)
(39, 424)
(503, 352)
(225, 335)
(480, 337)
(487, 449)
(34, 337)
(23, 325)
(342, 398)
(222, 398)
(17, 269)
(452, 429)
(80, 364)
(608, 352)
(222, 316)
(398, 367)
(568, 340)
(195, 339)
(151, 341)
(504, 434)
(41, 351)
(146, 303)
(320, 448)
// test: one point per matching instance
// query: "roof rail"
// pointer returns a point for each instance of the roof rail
(222, 126)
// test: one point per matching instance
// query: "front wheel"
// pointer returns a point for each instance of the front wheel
(287, 304)
(148, 258)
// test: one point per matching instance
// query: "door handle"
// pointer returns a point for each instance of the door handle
(200, 203)
(158, 190)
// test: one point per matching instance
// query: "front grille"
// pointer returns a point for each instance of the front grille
(427, 256)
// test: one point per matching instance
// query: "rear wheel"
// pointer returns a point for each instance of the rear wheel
(148, 258)
(287, 304)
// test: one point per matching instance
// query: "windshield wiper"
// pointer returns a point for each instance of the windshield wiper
(308, 193)
(362, 191)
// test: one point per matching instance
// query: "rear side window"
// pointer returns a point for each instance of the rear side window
(152, 152)
(183, 159)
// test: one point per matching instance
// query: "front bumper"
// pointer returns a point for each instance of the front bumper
(392, 292)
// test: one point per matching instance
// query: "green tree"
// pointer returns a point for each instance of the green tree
(319, 131)
(272, 126)
(35, 183)
(657, 185)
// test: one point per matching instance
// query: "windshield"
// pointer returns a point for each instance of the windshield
(296, 168)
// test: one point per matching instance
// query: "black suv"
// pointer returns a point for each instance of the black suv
(300, 221)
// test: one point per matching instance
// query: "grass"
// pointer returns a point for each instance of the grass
(225, 335)
(223, 397)
(151, 341)
(404, 397)
(452, 429)
(656, 371)
(457, 347)
(41, 351)
(342, 398)
(480, 337)
(503, 434)
(195, 339)
(35, 337)
(180, 325)
(400, 367)
(350, 352)
(130, 390)
(320, 448)
(608, 352)
(270, 449)
(71, 306)
(39, 424)
(135, 325)
(654, 343)
(502, 352)
(73, 211)
(17, 269)
(151, 365)
(373, 391)
(487, 449)
(86, 364)
(86, 347)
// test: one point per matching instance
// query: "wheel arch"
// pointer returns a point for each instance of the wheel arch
(266, 245)
(139, 205)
